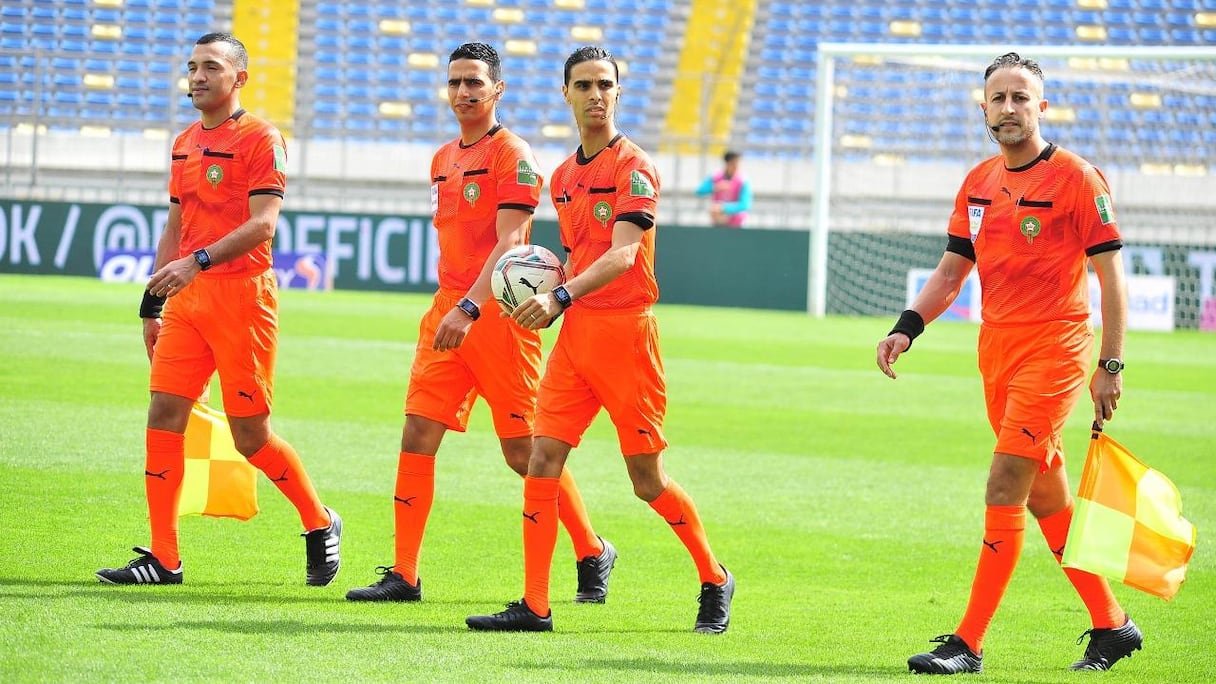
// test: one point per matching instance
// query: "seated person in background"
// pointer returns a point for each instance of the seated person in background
(730, 191)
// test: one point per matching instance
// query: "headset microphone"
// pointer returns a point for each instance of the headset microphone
(995, 129)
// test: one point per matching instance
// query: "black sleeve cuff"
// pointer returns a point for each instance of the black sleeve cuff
(962, 247)
(531, 209)
(639, 218)
(1110, 246)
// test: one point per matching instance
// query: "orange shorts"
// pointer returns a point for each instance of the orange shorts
(497, 360)
(229, 324)
(609, 359)
(1033, 377)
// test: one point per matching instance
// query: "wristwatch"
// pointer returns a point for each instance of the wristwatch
(469, 308)
(562, 295)
(202, 258)
(1112, 366)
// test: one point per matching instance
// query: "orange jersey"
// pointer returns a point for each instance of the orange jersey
(213, 174)
(619, 183)
(1032, 229)
(468, 187)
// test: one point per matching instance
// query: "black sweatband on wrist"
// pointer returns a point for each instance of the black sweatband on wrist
(151, 306)
(911, 324)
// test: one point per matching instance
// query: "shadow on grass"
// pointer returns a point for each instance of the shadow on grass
(281, 627)
(35, 590)
(741, 669)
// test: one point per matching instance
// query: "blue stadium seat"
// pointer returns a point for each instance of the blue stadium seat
(1152, 36)
(1186, 36)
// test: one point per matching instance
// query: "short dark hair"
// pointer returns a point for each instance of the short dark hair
(589, 53)
(236, 49)
(730, 156)
(482, 53)
(1012, 60)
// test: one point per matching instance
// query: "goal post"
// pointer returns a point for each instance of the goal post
(897, 125)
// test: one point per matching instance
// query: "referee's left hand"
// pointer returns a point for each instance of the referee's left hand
(452, 330)
(889, 350)
(536, 311)
(1105, 389)
(173, 277)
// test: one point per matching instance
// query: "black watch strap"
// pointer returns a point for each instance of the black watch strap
(562, 295)
(1112, 365)
(469, 307)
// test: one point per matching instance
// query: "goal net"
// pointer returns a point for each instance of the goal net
(898, 126)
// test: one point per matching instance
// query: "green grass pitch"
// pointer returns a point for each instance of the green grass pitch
(848, 506)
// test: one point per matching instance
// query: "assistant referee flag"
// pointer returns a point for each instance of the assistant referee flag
(217, 481)
(1128, 522)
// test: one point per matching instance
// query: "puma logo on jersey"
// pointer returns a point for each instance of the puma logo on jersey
(247, 395)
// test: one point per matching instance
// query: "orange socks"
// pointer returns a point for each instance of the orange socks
(1004, 532)
(281, 464)
(540, 537)
(573, 514)
(678, 510)
(1104, 610)
(164, 466)
(412, 499)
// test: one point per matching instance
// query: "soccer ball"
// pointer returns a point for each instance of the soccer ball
(525, 271)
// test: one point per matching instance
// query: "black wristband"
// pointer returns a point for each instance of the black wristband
(911, 324)
(151, 305)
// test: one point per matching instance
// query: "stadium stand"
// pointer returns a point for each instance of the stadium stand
(374, 71)
(783, 59)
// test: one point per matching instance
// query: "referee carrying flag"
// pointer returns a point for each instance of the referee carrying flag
(1128, 522)
(217, 481)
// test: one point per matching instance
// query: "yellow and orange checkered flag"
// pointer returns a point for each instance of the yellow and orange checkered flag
(218, 481)
(1128, 522)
